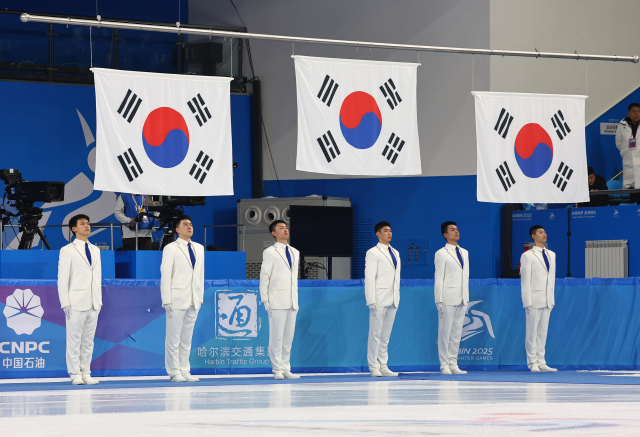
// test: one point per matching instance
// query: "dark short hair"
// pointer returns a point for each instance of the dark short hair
(176, 223)
(634, 105)
(445, 226)
(378, 227)
(590, 171)
(74, 221)
(272, 226)
(534, 229)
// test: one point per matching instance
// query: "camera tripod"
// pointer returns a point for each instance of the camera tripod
(29, 219)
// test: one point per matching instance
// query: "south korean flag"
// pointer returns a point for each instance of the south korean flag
(357, 117)
(531, 148)
(163, 134)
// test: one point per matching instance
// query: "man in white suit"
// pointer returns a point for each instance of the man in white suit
(80, 293)
(382, 294)
(537, 279)
(279, 294)
(451, 288)
(182, 291)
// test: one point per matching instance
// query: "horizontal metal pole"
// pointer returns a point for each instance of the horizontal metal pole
(223, 33)
(621, 191)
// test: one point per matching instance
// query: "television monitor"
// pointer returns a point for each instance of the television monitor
(322, 231)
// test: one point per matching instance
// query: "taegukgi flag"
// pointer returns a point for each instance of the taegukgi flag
(357, 117)
(163, 134)
(531, 148)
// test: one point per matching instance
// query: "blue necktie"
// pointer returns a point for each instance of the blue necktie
(88, 252)
(192, 255)
(459, 257)
(288, 256)
(393, 257)
(546, 260)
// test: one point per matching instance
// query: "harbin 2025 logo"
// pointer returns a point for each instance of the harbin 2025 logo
(23, 312)
(237, 314)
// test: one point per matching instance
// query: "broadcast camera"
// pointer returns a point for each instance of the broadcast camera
(166, 209)
(23, 195)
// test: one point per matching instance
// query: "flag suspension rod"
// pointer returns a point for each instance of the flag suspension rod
(25, 18)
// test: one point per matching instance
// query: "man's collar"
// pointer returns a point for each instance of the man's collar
(79, 242)
(383, 246)
(182, 241)
(280, 245)
(536, 249)
(450, 246)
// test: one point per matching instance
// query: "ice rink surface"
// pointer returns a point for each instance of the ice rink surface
(372, 407)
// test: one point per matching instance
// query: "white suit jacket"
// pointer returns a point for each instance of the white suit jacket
(381, 279)
(630, 157)
(451, 286)
(537, 284)
(182, 284)
(79, 283)
(278, 280)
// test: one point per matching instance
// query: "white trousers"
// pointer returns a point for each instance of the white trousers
(81, 329)
(380, 325)
(449, 332)
(282, 326)
(177, 345)
(536, 335)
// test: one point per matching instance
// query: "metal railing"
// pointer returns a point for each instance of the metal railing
(224, 226)
(107, 225)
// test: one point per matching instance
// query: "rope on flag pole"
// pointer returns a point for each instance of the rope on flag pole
(90, 47)
(231, 62)
(473, 69)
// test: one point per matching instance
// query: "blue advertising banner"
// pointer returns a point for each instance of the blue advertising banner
(593, 325)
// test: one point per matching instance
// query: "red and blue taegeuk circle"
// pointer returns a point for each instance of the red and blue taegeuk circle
(533, 150)
(165, 137)
(360, 120)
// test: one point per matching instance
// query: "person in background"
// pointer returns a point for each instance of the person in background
(596, 183)
(626, 142)
(128, 206)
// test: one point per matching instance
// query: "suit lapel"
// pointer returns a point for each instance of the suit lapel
(541, 261)
(187, 255)
(455, 257)
(84, 256)
(284, 259)
(387, 256)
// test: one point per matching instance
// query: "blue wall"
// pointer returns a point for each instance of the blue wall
(416, 207)
(41, 135)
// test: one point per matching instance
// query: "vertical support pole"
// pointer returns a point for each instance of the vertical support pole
(257, 184)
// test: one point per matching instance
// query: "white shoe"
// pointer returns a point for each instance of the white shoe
(87, 379)
(190, 378)
(289, 375)
(178, 378)
(445, 371)
(375, 373)
(457, 371)
(77, 381)
(387, 372)
(278, 375)
(534, 368)
(545, 368)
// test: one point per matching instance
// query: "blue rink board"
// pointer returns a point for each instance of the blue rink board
(503, 376)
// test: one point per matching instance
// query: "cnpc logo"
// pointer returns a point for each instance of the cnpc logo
(23, 347)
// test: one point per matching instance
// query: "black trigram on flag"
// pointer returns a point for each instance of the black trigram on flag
(131, 104)
(505, 176)
(197, 107)
(328, 90)
(200, 168)
(394, 146)
(562, 128)
(389, 92)
(563, 176)
(328, 146)
(131, 165)
(503, 123)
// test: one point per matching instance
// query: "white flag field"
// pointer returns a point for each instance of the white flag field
(163, 134)
(531, 148)
(357, 117)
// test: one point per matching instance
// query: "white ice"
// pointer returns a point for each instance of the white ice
(372, 408)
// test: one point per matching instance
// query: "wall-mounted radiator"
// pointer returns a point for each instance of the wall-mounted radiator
(606, 259)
